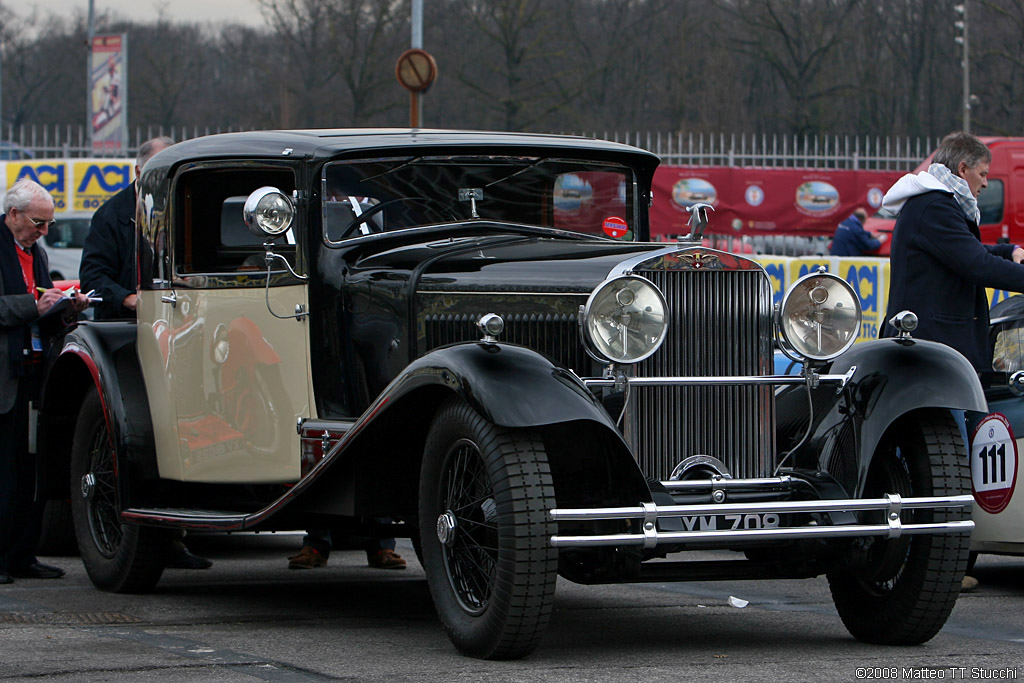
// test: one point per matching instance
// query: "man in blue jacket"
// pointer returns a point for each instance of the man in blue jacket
(851, 239)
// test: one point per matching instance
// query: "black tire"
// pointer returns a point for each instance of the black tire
(57, 537)
(121, 558)
(905, 591)
(493, 581)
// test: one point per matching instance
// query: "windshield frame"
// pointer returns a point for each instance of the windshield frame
(462, 200)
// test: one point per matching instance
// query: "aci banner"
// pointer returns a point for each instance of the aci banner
(51, 174)
(74, 184)
(97, 180)
(108, 115)
(764, 201)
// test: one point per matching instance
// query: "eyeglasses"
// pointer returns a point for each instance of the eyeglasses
(42, 222)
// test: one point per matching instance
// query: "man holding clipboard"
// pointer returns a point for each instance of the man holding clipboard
(27, 299)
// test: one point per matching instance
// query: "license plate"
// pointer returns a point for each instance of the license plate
(766, 520)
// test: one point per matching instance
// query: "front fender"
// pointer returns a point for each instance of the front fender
(512, 386)
(893, 378)
(101, 355)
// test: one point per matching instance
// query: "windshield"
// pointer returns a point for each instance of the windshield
(591, 198)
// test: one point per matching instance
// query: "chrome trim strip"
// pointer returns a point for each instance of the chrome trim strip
(890, 503)
(726, 484)
(317, 425)
(697, 381)
(493, 292)
(626, 267)
(727, 537)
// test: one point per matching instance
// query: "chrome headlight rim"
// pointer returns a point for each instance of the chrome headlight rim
(791, 343)
(255, 217)
(597, 347)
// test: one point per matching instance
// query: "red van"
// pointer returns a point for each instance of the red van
(1001, 203)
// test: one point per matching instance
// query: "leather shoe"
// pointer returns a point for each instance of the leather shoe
(37, 570)
(184, 559)
(4, 578)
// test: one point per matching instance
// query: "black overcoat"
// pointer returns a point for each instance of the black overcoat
(939, 269)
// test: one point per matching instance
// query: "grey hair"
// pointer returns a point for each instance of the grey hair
(957, 147)
(150, 147)
(20, 194)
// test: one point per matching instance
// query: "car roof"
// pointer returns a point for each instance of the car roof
(357, 142)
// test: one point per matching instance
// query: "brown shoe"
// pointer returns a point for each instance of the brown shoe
(307, 558)
(385, 559)
(968, 584)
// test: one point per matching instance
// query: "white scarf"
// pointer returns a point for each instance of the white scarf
(960, 189)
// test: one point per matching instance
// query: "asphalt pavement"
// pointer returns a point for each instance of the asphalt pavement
(250, 618)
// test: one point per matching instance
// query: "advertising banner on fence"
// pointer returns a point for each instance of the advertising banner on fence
(51, 174)
(74, 184)
(97, 180)
(765, 201)
(108, 85)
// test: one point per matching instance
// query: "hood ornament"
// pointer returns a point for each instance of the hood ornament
(698, 220)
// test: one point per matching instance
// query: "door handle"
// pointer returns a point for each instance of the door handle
(171, 299)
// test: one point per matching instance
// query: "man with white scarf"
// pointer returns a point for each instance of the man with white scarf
(939, 267)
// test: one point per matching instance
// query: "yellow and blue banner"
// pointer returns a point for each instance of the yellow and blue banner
(74, 184)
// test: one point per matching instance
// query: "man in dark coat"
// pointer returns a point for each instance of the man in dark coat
(27, 296)
(851, 239)
(939, 267)
(108, 255)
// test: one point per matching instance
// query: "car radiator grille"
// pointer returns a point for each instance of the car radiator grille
(720, 326)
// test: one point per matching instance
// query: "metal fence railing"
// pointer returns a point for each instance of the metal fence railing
(683, 149)
(781, 151)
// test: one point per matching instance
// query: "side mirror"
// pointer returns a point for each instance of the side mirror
(268, 212)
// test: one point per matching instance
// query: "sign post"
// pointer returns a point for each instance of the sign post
(416, 71)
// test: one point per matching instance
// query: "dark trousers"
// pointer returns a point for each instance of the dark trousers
(21, 516)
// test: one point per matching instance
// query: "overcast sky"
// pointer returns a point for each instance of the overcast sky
(239, 11)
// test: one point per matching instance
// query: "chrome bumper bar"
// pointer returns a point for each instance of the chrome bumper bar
(651, 536)
(813, 380)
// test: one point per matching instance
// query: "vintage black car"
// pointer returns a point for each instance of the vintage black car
(469, 333)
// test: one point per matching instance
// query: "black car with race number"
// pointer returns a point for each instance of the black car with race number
(471, 334)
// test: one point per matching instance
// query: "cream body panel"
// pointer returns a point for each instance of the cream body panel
(235, 381)
(1003, 531)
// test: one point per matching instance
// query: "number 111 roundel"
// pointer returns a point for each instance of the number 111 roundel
(993, 463)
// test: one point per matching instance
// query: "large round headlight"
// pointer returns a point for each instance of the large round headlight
(268, 212)
(820, 316)
(625, 319)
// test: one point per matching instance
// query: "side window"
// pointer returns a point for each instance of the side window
(990, 202)
(210, 233)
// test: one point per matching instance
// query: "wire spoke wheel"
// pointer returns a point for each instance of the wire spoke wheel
(471, 555)
(119, 557)
(102, 503)
(485, 493)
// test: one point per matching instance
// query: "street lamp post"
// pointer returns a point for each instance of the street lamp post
(961, 39)
(88, 71)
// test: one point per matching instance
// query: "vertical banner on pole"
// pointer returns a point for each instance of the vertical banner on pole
(108, 84)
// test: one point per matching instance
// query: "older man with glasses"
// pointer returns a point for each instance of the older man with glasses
(27, 295)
